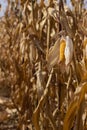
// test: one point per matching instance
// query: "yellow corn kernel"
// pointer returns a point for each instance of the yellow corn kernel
(62, 49)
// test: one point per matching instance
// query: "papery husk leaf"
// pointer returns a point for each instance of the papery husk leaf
(53, 56)
(69, 50)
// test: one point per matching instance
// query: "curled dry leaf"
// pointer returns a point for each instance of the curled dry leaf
(70, 115)
(53, 56)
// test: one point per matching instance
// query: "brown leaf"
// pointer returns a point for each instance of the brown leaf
(3, 116)
(53, 56)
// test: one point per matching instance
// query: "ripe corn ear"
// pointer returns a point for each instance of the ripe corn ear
(62, 49)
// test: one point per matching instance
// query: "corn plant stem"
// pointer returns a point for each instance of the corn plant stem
(32, 11)
(42, 100)
(33, 21)
(75, 68)
(49, 114)
(68, 84)
(48, 34)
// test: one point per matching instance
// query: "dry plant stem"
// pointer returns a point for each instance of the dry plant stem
(64, 20)
(36, 112)
(75, 68)
(32, 12)
(68, 84)
(48, 34)
(50, 116)
(33, 22)
(65, 24)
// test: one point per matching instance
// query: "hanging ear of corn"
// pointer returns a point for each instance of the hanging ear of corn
(68, 50)
(62, 49)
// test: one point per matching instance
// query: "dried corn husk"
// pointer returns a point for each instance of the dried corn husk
(68, 50)
(53, 56)
(40, 80)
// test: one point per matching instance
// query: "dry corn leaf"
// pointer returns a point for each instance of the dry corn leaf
(19, 38)
(42, 23)
(36, 118)
(33, 55)
(74, 107)
(40, 82)
(82, 94)
(41, 102)
(80, 70)
(70, 115)
(53, 56)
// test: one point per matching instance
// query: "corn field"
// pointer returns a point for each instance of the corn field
(43, 62)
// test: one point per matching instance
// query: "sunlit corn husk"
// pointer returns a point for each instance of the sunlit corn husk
(62, 49)
(53, 56)
(68, 50)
